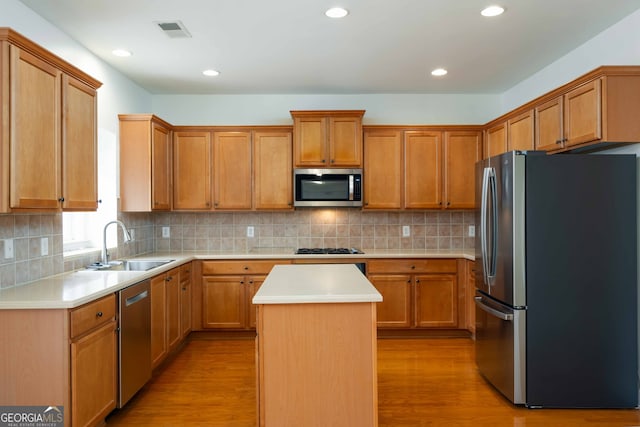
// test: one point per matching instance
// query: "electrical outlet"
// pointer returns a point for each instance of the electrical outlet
(8, 248)
(44, 246)
(406, 231)
(166, 232)
(250, 231)
(472, 231)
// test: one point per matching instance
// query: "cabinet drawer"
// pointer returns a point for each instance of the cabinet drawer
(412, 266)
(93, 314)
(239, 267)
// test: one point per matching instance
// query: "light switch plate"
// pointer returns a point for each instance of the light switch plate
(250, 231)
(406, 231)
(472, 231)
(8, 248)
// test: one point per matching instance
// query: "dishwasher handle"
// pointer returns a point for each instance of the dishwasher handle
(497, 313)
(134, 299)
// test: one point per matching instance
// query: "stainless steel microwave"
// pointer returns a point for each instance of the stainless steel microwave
(327, 187)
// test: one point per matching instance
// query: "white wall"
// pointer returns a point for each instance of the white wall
(273, 109)
(617, 45)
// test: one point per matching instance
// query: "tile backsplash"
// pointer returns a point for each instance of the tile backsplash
(227, 231)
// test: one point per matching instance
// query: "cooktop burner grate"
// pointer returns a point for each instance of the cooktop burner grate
(329, 251)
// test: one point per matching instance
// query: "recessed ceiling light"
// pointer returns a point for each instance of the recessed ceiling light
(337, 12)
(211, 73)
(438, 72)
(492, 11)
(121, 52)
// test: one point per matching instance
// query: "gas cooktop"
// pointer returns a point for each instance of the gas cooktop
(328, 251)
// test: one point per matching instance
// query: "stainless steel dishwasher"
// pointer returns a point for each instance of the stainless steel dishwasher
(134, 340)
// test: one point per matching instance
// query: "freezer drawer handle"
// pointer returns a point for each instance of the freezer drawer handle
(136, 298)
(493, 311)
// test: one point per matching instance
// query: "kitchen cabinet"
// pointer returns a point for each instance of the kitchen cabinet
(272, 170)
(93, 361)
(382, 169)
(549, 132)
(521, 132)
(495, 140)
(417, 293)
(49, 115)
(462, 149)
(145, 163)
(227, 290)
(422, 170)
(232, 170)
(470, 289)
(185, 300)
(165, 315)
(327, 138)
(192, 169)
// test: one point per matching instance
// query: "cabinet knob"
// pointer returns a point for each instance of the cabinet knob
(251, 282)
(559, 141)
(170, 278)
(333, 161)
(448, 203)
(99, 314)
(99, 200)
(184, 288)
(61, 199)
(246, 268)
(242, 282)
(417, 280)
(324, 161)
(413, 267)
(409, 281)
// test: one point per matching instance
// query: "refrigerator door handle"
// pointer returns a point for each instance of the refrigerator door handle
(494, 225)
(496, 313)
(486, 178)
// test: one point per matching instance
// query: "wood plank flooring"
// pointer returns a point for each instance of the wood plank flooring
(421, 382)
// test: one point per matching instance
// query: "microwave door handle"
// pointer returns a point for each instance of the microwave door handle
(351, 187)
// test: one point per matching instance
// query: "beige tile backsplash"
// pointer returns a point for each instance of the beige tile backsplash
(221, 231)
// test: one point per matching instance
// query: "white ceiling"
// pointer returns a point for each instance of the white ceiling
(290, 46)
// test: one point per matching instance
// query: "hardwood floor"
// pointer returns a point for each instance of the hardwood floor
(421, 382)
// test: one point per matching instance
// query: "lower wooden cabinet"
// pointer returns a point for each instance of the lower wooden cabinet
(185, 300)
(417, 293)
(227, 290)
(93, 361)
(165, 315)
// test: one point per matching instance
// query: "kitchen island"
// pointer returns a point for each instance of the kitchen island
(316, 347)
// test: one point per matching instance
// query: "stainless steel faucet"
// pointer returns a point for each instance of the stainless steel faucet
(125, 232)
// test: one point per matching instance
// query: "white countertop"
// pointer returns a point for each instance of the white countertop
(73, 289)
(316, 283)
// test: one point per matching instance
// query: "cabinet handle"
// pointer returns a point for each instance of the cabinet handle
(559, 141)
(61, 199)
(184, 288)
(170, 278)
(448, 203)
(251, 282)
(413, 267)
(99, 200)
(333, 161)
(242, 282)
(324, 161)
(417, 280)
(409, 281)
(246, 268)
(99, 314)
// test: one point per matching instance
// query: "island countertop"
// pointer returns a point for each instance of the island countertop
(316, 283)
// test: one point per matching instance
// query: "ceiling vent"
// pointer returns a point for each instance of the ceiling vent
(174, 29)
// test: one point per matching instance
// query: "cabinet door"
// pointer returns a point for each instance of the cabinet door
(310, 142)
(192, 170)
(461, 152)
(35, 175)
(383, 166)
(173, 308)
(79, 146)
(253, 284)
(521, 129)
(93, 376)
(345, 142)
(160, 167)
(232, 170)
(159, 346)
(548, 123)
(436, 301)
(272, 171)
(223, 302)
(395, 309)
(422, 170)
(185, 308)
(583, 114)
(495, 141)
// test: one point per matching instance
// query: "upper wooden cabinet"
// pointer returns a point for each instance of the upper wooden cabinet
(192, 168)
(272, 170)
(420, 169)
(495, 140)
(232, 170)
(520, 135)
(382, 169)
(327, 138)
(462, 149)
(48, 109)
(145, 163)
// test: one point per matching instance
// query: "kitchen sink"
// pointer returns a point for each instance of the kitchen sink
(130, 265)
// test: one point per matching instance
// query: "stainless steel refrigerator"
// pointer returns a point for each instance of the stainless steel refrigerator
(556, 278)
